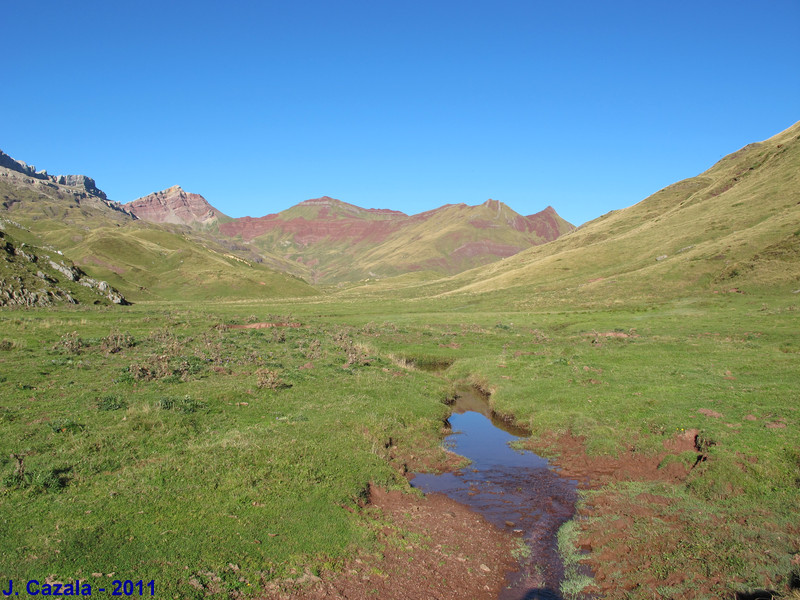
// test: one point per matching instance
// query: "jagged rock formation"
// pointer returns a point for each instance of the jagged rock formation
(176, 206)
(79, 181)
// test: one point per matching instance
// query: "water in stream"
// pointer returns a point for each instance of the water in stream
(516, 490)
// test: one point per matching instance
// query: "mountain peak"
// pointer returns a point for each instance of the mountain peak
(175, 205)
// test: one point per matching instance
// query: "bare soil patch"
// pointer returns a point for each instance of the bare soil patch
(710, 413)
(433, 548)
(263, 325)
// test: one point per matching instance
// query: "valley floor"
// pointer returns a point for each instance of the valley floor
(170, 443)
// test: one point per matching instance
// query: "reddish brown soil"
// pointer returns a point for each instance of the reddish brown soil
(629, 539)
(173, 205)
(263, 325)
(596, 471)
(710, 413)
(434, 548)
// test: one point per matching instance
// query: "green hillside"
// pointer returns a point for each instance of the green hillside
(143, 260)
(735, 226)
(652, 355)
(31, 276)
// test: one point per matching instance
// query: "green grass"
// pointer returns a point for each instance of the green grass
(154, 428)
(135, 475)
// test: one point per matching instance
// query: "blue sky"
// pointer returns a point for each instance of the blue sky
(585, 106)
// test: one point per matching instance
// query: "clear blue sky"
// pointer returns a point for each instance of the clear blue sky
(586, 106)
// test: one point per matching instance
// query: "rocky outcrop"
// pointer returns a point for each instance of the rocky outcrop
(176, 206)
(21, 167)
(81, 181)
(29, 277)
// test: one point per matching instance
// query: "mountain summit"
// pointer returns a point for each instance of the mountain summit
(176, 206)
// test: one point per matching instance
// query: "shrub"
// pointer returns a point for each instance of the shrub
(70, 343)
(111, 402)
(268, 378)
(116, 341)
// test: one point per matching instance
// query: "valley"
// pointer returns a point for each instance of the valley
(195, 439)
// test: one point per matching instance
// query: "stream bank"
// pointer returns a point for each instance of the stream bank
(514, 489)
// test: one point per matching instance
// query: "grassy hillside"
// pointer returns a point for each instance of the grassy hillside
(733, 226)
(31, 276)
(132, 437)
(143, 260)
(155, 263)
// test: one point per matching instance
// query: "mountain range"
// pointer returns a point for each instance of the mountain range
(331, 241)
(733, 226)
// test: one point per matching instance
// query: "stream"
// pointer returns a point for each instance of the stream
(513, 489)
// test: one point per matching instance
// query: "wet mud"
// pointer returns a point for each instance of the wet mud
(514, 489)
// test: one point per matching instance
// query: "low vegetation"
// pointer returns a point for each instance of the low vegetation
(133, 438)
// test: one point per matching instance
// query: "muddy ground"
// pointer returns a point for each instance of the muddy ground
(434, 549)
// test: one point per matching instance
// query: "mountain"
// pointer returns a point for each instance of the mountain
(143, 260)
(176, 206)
(337, 241)
(733, 228)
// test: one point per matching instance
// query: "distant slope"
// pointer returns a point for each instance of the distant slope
(735, 226)
(141, 259)
(338, 241)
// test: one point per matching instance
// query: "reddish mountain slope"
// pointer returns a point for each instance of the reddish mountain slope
(338, 241)
(176, 206)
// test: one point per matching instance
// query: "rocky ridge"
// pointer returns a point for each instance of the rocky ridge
(81, 181)
(79, 186)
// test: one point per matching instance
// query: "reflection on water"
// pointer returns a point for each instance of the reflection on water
(515, 490)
